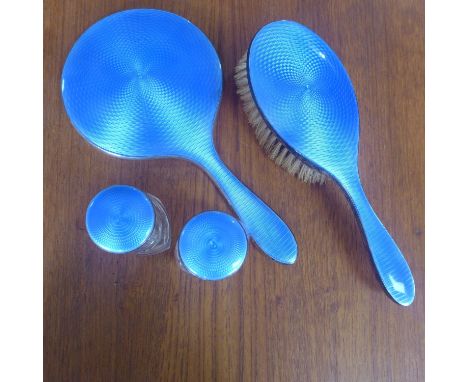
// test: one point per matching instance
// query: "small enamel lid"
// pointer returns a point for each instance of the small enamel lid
(120, 219)
(212, 245)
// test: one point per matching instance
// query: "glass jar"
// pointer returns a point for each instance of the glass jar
(122, 219)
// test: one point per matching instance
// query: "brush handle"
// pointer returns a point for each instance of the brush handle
(266, 228)
(390, 263)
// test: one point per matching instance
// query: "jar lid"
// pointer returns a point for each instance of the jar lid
(120, 219)
(212, 245)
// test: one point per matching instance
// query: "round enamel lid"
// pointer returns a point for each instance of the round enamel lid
(120, 219)
(212, 245)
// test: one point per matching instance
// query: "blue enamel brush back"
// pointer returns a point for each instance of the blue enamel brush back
(304, 93)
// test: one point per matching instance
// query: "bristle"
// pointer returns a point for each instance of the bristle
(270, 142)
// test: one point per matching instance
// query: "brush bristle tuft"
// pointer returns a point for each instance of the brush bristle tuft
(270, 142)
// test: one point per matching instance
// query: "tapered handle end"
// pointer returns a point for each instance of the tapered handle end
(391, 266)
(277, 241)
(262, 224)
(397, 279)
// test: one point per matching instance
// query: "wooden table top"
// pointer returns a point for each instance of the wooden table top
(326, 318)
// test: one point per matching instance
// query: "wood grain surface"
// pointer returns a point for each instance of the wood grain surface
(326, 318)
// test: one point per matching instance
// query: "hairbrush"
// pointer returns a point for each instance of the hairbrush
(300, 100)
